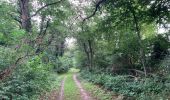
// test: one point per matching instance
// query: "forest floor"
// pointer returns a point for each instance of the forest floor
(72, 87)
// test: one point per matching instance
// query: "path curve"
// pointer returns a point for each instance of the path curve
(61, 95)
(84, 94)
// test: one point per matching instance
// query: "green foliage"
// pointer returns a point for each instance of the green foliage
(96, 91)
(165, 65)
(7, 24)
(7, 57)
(28, 81)
(160, 49)
(79, 59)
(17, 34)
(63, 64)
(129, 87)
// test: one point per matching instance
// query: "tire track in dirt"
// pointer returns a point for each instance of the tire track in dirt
(61, 94)
(84, 94)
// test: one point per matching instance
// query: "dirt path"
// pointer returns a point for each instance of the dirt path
(83, 93)
(70, 89)
(61, 95)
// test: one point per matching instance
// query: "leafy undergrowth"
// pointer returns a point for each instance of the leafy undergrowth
(7, 57)
(71, 91)
(49, 96)
(29, 81)
(54, 93)
(98, 92)
(144, 89)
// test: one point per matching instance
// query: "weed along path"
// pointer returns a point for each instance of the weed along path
(71, 88)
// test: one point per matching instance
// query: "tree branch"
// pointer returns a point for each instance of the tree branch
(44, 7)
(16, 18)
(46, 27)
(96, 8)
(74, 20)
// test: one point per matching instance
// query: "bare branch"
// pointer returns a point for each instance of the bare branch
(96, 9)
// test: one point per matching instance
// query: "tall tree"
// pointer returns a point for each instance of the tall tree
(25, 14)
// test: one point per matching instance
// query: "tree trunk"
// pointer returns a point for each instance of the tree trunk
(90, 53)
(137, 28)
(87, 53)
(61, 48)
(142, 53)
(25, 15)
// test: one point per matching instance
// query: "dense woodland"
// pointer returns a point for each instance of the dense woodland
(121, 46)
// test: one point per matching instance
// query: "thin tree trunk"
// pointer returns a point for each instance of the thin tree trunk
(56, 50)
(142, 53)
(137, 28)
(91, 53)
(61, 48)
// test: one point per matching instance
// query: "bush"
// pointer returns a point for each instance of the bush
(7, 57)
(63, 64)
(28, 81)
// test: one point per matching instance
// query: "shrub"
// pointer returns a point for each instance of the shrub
(62, 65)
(7, 57)
(28, 81)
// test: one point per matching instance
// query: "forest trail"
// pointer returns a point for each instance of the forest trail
(61, 94)
(84, 94)
(71, 88)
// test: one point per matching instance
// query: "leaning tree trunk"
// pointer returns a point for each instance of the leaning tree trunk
(137, 28)
(25, 15)
(142, 53)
